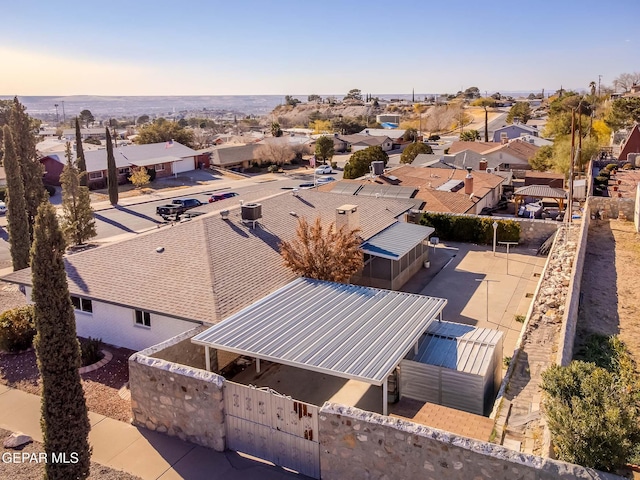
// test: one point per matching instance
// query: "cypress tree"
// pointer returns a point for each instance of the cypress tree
(32, 170)
(82, 165)
(78, 223)
(64, 420)
(17, 221)
(112, 175)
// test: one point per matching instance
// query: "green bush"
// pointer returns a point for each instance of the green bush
(17, 329)
(334, 165)
(90, 350)
(601, 180)
(604, 173)
(611, 166)
(471, 229)
(592, 405)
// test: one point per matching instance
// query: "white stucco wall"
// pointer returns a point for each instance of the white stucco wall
(115, 325)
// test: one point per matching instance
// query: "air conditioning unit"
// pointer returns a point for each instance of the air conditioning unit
(378, 168)
(251, 211)
(491, 170)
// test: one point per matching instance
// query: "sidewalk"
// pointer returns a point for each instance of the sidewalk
(141, 452)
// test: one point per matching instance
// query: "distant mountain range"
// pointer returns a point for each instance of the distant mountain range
(123, 106)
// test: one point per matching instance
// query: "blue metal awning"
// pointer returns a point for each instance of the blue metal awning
(397, 240)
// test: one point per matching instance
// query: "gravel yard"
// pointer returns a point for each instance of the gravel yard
(101, 387)
(29, 471)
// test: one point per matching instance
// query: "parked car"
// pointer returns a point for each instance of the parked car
(306, 186)
(323, 170)
(177, 207)
(216, 197)
(3, 208)
(321, 180)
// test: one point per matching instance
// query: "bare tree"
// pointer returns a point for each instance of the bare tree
(325, 254)
(274, 150)
(625, 81)
(202, 138)
(442, 117)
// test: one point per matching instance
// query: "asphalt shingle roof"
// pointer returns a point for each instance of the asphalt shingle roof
(209, 268)
(139, 155)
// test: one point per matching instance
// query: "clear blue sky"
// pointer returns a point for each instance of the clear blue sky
(298, 47)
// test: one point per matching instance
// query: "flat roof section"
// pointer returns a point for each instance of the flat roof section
(348, 331)
(397, 240)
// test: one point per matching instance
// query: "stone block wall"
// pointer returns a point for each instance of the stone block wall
(570, 317)
(176, 399)
(184, 352)
(359, 444)
(534, 232)
(612, 207)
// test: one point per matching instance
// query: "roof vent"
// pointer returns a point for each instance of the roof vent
(160, 249)
(224, 214)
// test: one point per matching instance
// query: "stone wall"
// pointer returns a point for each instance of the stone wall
(612, 207)
(570, 317)
(184, 352)
(359, 444)
(176, 399)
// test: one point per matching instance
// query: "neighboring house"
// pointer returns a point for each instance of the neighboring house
(555, 180)
(233, 156)
(139, 292)
(532, 139)
(470, 159)
(53, 165)
(339, 145)
(631, 144)
(515, 130)
(394, 134)
(432, 189)
(512, 155)
(100, 133)
(360, 142)
(430, 160)
(166, 158)
(477, 147)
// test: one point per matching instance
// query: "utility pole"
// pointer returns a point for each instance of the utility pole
(599, 78)
(64, 117)
(569, 212)
(57, 117)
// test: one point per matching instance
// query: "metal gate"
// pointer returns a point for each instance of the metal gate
(263, 423)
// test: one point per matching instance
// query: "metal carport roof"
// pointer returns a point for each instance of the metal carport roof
(396, 240)
(348, 331)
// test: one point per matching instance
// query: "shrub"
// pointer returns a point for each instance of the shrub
(334, 165)
(90, 350)
(604, 173)
(593, 405)
(152, 174)
(434, 138)
(520, 318)
(17, 329)
(611, 166)
(600, 180)
(462, 228)
(272, 168)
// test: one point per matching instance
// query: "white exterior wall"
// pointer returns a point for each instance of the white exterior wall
(115, 325)
(184, 165)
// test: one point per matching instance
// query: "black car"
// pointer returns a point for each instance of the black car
(216, 197)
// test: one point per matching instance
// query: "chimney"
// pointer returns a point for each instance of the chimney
(482, 166)
(468, 183)
(348, 216)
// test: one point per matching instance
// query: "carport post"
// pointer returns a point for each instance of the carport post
(207, 359)
(257, 365)
(385, 395)
(495, 235)
(415, 349)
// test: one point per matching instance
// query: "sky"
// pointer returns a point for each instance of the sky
(281, 47)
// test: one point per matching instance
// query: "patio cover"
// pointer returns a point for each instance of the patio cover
(397, 240)
(348, 331)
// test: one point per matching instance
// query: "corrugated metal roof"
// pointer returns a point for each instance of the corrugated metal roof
(387, 191)
(458, 347)
(396, 240)
(138, 155)
(347, 331)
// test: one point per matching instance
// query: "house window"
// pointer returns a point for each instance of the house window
(95, 175)
(124, 171)
(159, 167)
(143, 318)
(82, 304)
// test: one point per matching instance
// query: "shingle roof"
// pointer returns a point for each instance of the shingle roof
(369, 140)
(541, 191)
(209, 268)
(139, 155)
(519, 149)
(478, 147)
(230, 154)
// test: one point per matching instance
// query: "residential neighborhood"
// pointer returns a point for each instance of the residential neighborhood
(319, 286)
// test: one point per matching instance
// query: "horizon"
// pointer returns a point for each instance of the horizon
(222, 49)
